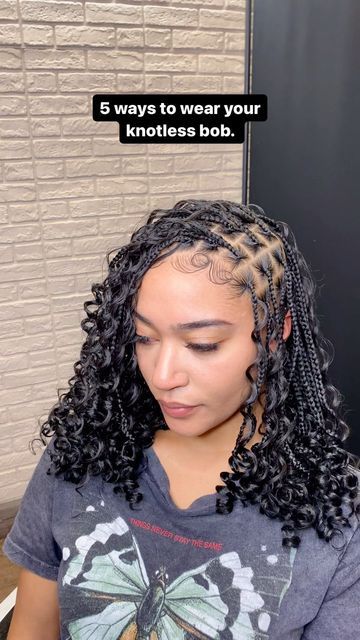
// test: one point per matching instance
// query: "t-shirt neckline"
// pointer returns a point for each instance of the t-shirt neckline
(160, 482)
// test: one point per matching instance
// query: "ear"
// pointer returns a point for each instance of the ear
(287, 325)
(286, 332)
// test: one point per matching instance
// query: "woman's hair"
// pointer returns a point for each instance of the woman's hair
(299, 472)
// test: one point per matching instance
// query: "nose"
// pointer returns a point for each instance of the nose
(169, 369)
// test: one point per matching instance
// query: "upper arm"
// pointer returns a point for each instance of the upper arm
(36, 612)
(338, 616)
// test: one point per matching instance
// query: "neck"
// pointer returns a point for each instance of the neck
(214, 446)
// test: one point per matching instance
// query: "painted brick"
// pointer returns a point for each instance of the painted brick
(14, 128)
(4, 218)
(111, 146)
(203, 162)
(10, 81)
(19, 378)
(58, 249)
(170, 16)
(10, 105)
(53, 210)
(16, 272)
(38, 35)
(14, 193)
(8, 293)
(10, 34)
(48, 105)
(67, 320)
(112, 61)
(8, 10)
(221, 19)
(158, 38)
(45, 127)
(68, 353)
(50, 169)
(72, 336)
(197, 39)
(28, 252)
(214, 181)
(61, 148)
(46, 59)
(6, 254)
(82, 208)
(57, 286)
(113, 13)
(115, 186)
(69, 267)
(24, 344)
(134, 165)
(73, 229)
(161, 164)
(158, 84)
(11, 328)
(98, 82)
(118, 224)
(66, 371)
(232, 161)
(11, 149)
(28, 290)
(38, 325)
(235, 41)
(93, 167)
(23, 212)
(67, 303)
(42, 358)
(14, 363)
(134, 205)
(20, 233)
(126, 37)
(95, 246)
(80, 125)
(197, 84)
(85, 36)
(84, 282)
(130, 84)
(170, 62)
(10, 59)
(173, 184)
(18, 171)
(233, 85)
(37, 11)
(40, 82)
(61, 189)
(221, 64)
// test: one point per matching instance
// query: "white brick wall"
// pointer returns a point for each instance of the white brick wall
(69, 191)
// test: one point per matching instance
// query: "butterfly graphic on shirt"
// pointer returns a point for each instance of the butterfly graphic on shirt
(210, 602)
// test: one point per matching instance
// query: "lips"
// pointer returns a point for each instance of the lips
(176, 405)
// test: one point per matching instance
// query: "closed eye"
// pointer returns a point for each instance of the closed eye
(202, 347)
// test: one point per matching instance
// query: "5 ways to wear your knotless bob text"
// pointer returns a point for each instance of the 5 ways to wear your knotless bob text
(299, 472)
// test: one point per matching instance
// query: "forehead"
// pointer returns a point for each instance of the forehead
(186, 293)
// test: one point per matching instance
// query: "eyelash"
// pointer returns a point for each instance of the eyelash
(202, 348)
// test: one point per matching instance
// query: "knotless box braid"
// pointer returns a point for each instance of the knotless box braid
(299, 472)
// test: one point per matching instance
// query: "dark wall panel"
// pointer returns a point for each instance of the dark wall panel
(305, 159)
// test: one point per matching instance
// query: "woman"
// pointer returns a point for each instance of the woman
(199, 425)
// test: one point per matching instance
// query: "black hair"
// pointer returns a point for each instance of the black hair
(299, 473)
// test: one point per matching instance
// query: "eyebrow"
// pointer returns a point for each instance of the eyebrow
(183, 326)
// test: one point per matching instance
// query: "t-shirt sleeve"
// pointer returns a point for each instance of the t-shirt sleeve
(30, 542)
(338, 616)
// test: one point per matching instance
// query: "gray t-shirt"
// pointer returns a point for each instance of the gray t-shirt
(180, 574)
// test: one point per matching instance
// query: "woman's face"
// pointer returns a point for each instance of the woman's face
(174, 368)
